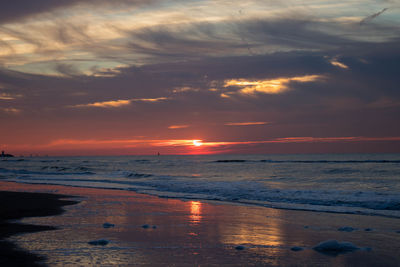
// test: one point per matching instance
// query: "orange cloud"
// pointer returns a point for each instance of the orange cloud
(185, 89)
(336, 63)
(106, 104)
(271, 86)
(149, 99)
(118, 103)
(4, 96)
(246, 123)
(120, 142)
(305, 140)
(182, 142)
(178, 126)
(11, 110)
(189, 142)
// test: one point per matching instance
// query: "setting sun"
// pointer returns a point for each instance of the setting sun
(197, 142)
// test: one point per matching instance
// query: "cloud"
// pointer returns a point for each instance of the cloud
(246, 123)
(118, 103)
(120, 142)
(186, 146)
(106, 72)
(189, 142)
(185, 89)
(105, 104)
(150, 99)
(336, 63)
(7, 96)
(343, 104)
(80, 40)
(371, 17)
(11, 110)
(21, 9)
(304, 140)
(270, 86)
(178, 126)
(334, 139)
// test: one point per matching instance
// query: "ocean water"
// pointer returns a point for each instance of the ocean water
(350, 183)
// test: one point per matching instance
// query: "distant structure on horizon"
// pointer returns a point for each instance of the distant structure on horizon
(3, 155)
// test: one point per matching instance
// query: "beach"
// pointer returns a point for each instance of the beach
(17, 205)
(117, 227)
(199, 133)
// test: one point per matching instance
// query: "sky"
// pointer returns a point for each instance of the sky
(127, 77)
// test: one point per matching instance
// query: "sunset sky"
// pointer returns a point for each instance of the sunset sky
(98, 77)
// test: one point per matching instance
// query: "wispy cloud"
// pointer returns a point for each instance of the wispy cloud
(335, 62)
(120, 142)
(11, 110)
(246, 123)
(105, 104)
(270, 86)
(189, 142)
(371, 17)
(12, 11)
(105, 72)
(149, 99)
(306, 140)
(185, 89)
(5, 96)
(118, 103)
(125, 33)
(178, 126)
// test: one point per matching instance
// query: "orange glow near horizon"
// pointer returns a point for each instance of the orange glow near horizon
(166, 146)
(197, 142)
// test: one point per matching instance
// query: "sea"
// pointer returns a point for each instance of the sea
(342, 183)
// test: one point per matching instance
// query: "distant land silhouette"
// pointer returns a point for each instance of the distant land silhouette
(3, 155)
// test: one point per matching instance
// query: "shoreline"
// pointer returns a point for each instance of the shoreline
(200, 232)
(251, 203)
(16, 206)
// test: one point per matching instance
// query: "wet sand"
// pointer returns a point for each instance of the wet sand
(152, 231)
(17, 205)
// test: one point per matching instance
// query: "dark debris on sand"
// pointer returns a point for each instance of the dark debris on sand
(334, 247)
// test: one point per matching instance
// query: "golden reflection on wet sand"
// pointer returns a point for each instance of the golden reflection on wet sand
(257, 232)
(195, 211)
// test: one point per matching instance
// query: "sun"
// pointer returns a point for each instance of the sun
(197, 143)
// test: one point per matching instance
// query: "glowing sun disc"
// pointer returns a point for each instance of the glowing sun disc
(197, 143)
